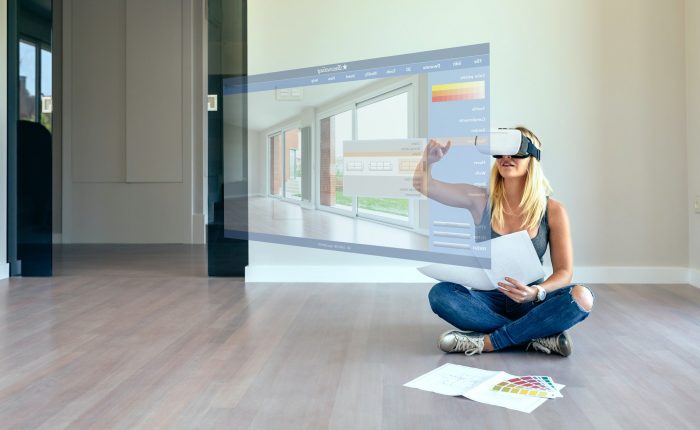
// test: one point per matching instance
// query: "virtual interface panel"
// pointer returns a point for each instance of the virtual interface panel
(337, 156)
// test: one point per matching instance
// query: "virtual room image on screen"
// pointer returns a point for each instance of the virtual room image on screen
(335, 162)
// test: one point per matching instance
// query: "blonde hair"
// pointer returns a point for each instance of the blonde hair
(537, 188)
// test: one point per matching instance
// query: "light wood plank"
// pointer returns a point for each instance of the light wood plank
(137, 337)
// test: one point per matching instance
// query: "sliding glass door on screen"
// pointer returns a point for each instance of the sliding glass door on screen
(292, 164)
(335, 129)
(285, 172)
(386, 116)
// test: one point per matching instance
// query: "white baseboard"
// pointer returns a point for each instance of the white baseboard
(631, 275)
(404, 274)
(4, 270)
(694, 277)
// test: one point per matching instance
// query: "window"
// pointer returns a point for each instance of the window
(292, 164)
(35, 78)
(386, 118)
(293, 174)
(383, 117)
(286, 170)
(334, 130)
(46, 101)
(27, 81)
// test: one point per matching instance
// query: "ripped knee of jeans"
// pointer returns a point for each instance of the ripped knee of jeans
(583, 297)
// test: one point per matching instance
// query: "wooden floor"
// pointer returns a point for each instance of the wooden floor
(136, 337)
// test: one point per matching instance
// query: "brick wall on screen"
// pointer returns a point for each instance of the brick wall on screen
(275, 165)
(327, 177)
(291, 141)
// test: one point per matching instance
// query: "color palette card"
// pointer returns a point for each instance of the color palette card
(550, 383)
(533, 382)
(486, 386)
(535, 386)
(547, 383)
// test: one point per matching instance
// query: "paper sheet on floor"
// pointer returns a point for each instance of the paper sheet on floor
(475, 384)
(452, 379)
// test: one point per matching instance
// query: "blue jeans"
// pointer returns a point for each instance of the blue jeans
(508, 322)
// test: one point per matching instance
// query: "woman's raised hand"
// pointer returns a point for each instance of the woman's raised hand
(436, 150)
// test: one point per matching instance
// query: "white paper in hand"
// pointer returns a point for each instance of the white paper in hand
(512, 255)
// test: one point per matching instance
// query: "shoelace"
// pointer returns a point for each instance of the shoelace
(545, 344)
(470, 345)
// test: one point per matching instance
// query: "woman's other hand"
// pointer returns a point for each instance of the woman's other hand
(517, 291)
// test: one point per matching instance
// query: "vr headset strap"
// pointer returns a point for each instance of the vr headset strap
(532, 149)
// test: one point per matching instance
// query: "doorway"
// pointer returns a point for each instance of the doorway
(30, 143)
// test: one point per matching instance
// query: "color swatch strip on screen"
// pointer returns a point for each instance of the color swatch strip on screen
(475, 90)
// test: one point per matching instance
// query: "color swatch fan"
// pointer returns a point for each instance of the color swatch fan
(535, 386)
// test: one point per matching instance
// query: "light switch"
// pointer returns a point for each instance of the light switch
(697, 204)
(212, 103)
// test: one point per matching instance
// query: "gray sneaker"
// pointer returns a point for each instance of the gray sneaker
(468, 342)
(560, 343)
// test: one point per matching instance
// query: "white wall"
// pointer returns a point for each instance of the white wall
(4, 267)
(692, 49)
(257, 158)
(133, 121)
(600, 81)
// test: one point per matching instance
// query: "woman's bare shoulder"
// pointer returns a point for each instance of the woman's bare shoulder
(555, 211)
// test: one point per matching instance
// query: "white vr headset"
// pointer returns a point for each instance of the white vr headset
(506, 141)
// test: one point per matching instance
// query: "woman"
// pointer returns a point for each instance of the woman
(535, 315)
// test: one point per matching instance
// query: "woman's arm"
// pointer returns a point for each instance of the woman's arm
(465, 196)
(560, 248)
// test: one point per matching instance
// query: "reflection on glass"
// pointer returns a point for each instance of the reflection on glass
(384, 119)
(46, 93)
(292, 164)
(334, 130)
(27, 81)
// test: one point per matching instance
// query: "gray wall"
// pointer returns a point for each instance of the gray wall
(692, 49)
(133, 120)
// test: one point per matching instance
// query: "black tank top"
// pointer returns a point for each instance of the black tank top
(541, 239)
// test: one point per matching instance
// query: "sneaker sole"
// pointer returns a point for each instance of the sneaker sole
(569, 344)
